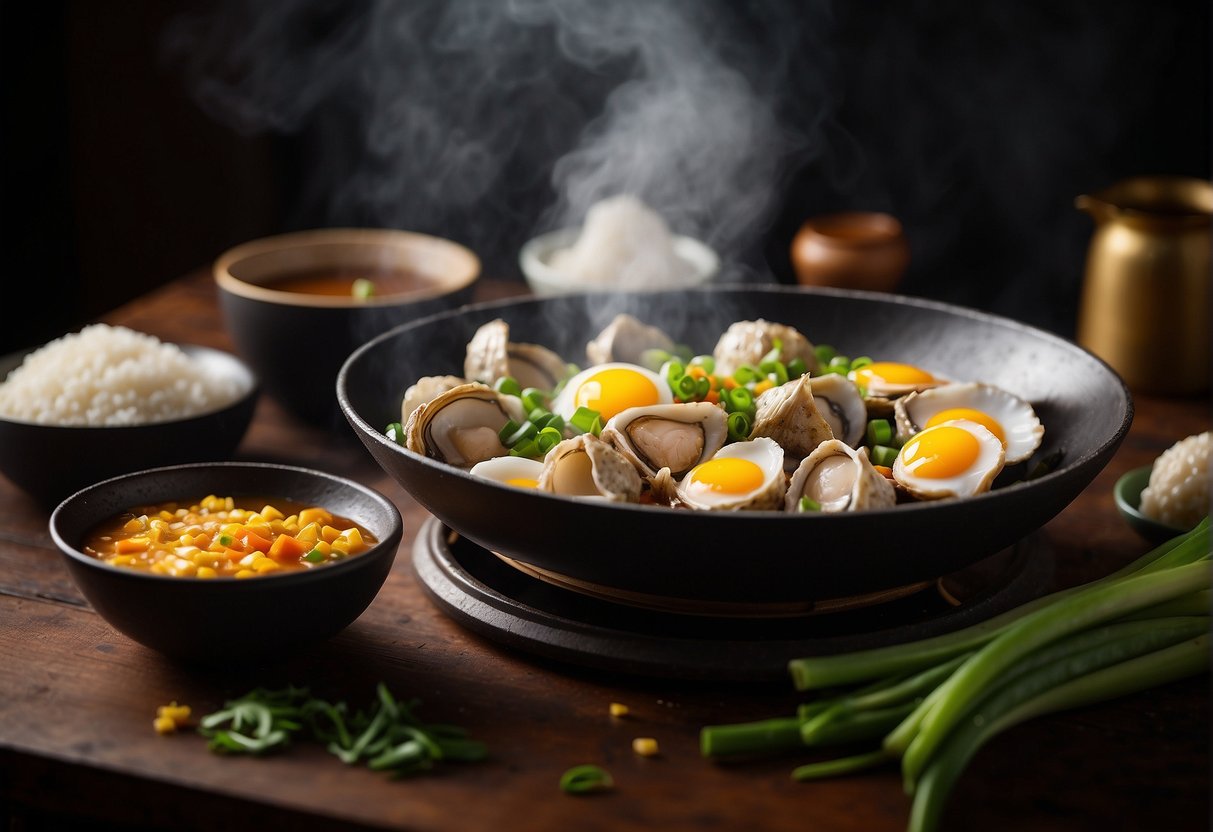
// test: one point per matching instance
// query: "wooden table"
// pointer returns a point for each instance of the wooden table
(77, 699)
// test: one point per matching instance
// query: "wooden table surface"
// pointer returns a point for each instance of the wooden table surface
(77, 749)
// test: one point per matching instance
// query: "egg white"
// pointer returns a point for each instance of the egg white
(764, 452)
(502, 469)
(1020, 424)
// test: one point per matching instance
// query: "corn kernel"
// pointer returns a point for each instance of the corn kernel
(131, 545)
(341, 545)
(618, 709)
(645, 746)
(205, 572)
(167, 516)
(354, 537)
(265, 565)
(308, 534)
(122, 560)
(179, 714)
(133, 526)
(271, 513)
(330, 533)
(314, 515)
(164, 725)
(245, 573)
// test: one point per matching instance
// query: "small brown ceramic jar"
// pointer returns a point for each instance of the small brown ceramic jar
(854, 250)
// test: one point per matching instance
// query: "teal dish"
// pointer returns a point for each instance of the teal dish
(1127, 492)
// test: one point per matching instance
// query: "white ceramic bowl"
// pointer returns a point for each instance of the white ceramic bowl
(535, 258)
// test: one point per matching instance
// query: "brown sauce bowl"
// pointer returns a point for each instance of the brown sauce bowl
(853, 250)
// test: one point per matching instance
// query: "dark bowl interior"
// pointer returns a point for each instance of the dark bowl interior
(296, 350)
(50, 462)
(222, 620)
(753, 556)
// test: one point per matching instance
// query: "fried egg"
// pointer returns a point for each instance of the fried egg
(517, 471)
(890, 379)
(611, 388)
(743, 475)
(1004, 414)
(958, 458)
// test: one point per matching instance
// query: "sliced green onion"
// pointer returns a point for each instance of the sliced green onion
(772, 354)
(672, 370)
(585, 779)
(861, 362)
(808, 504)
(705, 362)
(702, 387)
(526, 430)
(684, 352)
(583, 419)
(533, 397)
(652, 359)
(739, 426)
(824, 353)
(362, 288)
(507, 430)
(508, 385)
(528, 448)
(884, 455)
(797, 368)
(775, 371)
(839, 362)
(547, 439)
(395, 432)
(740, 398)
(315, 556)
(880, 432)
(747, 373)
(686, 387)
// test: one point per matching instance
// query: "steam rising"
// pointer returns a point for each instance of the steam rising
(480, 118)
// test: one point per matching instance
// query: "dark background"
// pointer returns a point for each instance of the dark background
(975, 123)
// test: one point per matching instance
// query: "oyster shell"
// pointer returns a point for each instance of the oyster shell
(425, 389)
(746, 342)
(788, 414)
(460, 427)
(625, 339)
(490, 355)
(839, 478)
(839, 401)
(585, 466)
(1007, 416)
(674, 436)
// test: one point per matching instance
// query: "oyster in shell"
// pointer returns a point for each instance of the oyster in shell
(460, 427)
(839, 478)
(625, 339)
(746, 342)
(839, 401)
(490, 355)
(1004, 414)
(788, 414)
(673, 436)
(425, 389)
(585, 466)
(741, 475)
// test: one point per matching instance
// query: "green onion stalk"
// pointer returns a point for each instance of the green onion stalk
(929, 705)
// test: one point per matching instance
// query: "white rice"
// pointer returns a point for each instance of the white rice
(623, 244)
(106, 375)
(1178, 493)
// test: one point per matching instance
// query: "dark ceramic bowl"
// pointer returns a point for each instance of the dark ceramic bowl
(219, 620)
(50, 462)
(296, 341)
(1127, 493)
(753, 556)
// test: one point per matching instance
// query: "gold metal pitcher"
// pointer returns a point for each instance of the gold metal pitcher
(1145, 297)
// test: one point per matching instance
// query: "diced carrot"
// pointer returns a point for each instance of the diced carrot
(286, 548)
(713, 396)
(129, 545)
(697, 372)
(252, 540)
(729, 383)
(884, 471)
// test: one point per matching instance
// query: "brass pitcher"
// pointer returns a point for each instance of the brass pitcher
(1145, 297)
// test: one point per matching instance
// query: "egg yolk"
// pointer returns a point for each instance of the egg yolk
(522, 482)
(890, 372)
(727, 475)
(613, 390)
(940, 452)
(984, 419)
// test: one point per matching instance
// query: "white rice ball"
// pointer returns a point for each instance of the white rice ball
(1178, 492)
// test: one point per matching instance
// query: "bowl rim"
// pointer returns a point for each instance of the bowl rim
(1127, 494)
(251, 391)
(381, 237)
(767, 516)
(379, 550)
(542, 277)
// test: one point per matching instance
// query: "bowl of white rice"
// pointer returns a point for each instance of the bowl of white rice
(1172, 495)
(107, 400)
(623, 246)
